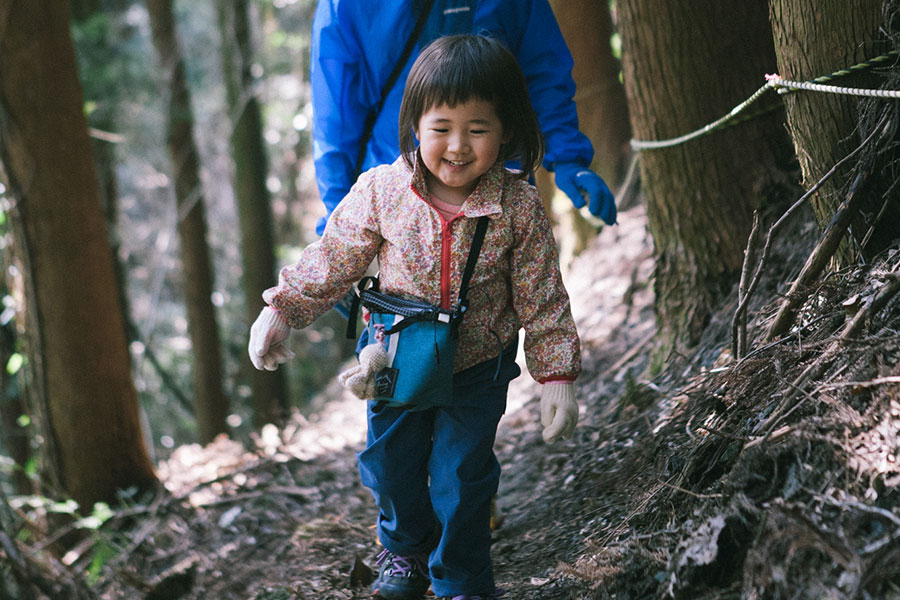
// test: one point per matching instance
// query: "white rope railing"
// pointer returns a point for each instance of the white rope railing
(781, 86)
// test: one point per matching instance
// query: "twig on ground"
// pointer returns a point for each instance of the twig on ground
(816, 262)
(871, 383)
(750, 254)
(739, 320)
(690, 493)
(826, 247)
(853, 503)
(789, 403)
(724, 434)
(875, 303)
(291, 492)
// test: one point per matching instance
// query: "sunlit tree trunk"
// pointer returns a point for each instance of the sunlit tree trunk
(599, 97)
(102, 119)
(211, 404)
(600, 101)
(254, 206)
(815, 38)
(78, 352)
(681, 72)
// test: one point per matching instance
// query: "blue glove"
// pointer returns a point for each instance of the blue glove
(576, 180)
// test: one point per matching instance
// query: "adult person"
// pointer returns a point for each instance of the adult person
(356, 93)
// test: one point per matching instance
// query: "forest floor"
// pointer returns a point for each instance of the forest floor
(775, 476)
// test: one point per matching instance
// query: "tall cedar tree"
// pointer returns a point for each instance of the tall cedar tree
(254, 204)
(700, 195)
(815, 38)
(587, 27)
(104, 118)
(78, 353)
(210, 402)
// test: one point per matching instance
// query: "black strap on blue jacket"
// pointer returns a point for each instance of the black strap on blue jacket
(474, 251)
(369, 125)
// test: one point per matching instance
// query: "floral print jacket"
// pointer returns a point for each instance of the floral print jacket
(516, 283)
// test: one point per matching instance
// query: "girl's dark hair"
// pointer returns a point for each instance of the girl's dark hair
(459, 68)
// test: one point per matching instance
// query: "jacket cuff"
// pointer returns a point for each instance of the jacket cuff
(558, 379)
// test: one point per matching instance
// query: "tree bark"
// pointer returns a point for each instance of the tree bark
(79, 355)
(815, 38)
(211, 404)
(680, 74)
(599, 97)
(602, 109)
(248, 152)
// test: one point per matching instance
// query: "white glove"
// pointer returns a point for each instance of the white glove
(559, 411)
(268, 340)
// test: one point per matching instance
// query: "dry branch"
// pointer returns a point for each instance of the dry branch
(816, 262)
(875, 303)
(864, 384)
(746, 290)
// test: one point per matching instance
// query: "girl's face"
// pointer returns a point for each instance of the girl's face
(458, 145)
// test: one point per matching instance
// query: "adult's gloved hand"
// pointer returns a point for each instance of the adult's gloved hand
(268, 340)
(559, 411)
(576, 181)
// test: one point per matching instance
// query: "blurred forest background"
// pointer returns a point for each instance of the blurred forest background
(156, 171)
(126, 103)
(199, 122)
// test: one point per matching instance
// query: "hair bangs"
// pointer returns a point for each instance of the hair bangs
(456, 69)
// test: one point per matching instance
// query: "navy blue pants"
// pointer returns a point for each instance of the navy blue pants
(433, 473)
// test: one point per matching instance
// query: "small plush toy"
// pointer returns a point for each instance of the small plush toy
(360, 379)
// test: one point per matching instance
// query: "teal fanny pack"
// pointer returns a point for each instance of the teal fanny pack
(420, 344)
(418, 339)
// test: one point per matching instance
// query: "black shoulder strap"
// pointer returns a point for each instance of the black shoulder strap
(389, 83)
(354, 303)
(474, 251)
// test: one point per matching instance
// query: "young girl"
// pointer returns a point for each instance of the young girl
(433, 472)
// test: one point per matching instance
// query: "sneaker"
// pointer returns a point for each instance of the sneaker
(401, 577)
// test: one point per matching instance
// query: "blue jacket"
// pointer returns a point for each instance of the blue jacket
(355, 44)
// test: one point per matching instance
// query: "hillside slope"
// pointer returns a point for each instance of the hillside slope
(714, 479)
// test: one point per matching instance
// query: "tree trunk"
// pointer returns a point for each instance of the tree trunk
(602, 109)
(815, 38)
(599, 97)
(680, 74)
(254, 205)
(79, 355)
(211, 404)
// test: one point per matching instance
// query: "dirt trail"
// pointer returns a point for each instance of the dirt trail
(291, 519)
(714, 480)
